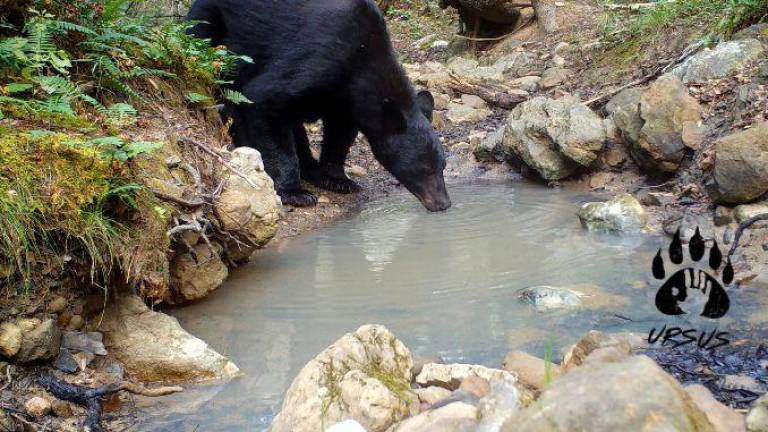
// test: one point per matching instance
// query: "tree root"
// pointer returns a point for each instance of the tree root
(744, 225)
(91, 398)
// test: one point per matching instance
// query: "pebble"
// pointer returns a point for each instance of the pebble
(57, 305)
(76, 322)
(37, 406)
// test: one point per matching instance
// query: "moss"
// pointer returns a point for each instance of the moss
(398, 386)
(52, 192)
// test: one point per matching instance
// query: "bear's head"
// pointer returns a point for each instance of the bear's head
(409, 148)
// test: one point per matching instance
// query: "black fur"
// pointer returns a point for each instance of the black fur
(330, 60)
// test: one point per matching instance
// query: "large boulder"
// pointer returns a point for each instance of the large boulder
(197, 273)
(722, 418)
(154, 347)
(622, 213)
(726, 59)
(364, 376)
(757, 417)
(632, 395)
(554, 136)
(741, 166)
(658, 122)
(248, 208)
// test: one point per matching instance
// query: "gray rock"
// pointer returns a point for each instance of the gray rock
(726, 59)
(490, 148)
(65, 362)
(622, 213)
(723, 216)
(553, 77)
(502, 402)
(458, 113)
(547, 297)
(741, 167)
(450, 376)
(91, 342)
(632, 395)
(454, 417)
(624, 109)
(470, 70)
(517, 64)
(553, 136)
(757, 417)
(528, 83)
(40, 341)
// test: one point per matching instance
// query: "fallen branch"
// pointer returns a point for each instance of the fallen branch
(91, 397)
(689, 51)
(744, 225)
(498, 98)
(219, 158)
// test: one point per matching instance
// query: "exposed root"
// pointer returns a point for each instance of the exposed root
(744, 225)
(91, 398)
(219, 158)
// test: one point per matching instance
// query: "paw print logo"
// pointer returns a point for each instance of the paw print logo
(678, 288)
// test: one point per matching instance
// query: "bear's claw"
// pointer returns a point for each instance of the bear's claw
(297, 198)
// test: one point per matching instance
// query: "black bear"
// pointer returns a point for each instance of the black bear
(330, 60)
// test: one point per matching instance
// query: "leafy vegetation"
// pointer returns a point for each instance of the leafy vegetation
(72, 76)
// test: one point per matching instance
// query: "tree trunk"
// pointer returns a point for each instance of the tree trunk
(546, 15)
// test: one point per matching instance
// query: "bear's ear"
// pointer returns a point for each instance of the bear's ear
(426, 103)
(393, 118)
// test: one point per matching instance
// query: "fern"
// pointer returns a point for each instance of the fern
(235, 96)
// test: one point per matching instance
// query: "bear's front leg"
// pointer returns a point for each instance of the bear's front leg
(338, 136)
(277, 145)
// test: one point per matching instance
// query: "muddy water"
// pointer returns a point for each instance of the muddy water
(446, 284)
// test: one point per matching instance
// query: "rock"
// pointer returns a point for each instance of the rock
(726, 59)
(501, 403)
(37, 406)
(40, 341)
(439, 45)
(356, 171)
(556, 61)
(671, 122)
(154, 347)
(600, 179)
(454, 417)
(615, 157)
(657, 199)
(490, 148)
(553, 77)
(458, 113)
(722, 418)
(470, 70)
(346, 426)
(517, 64)
(432, 395)
(475, 385)
(743, 382)
(530, 370)
(746, 211)
(561, 47)
(419, 362)
(65, 362)
(741, 166)
(554, 137)
(594, 340)
(10, 339)
(473, 101)
(439, 120)
(723, 216)
(441, 101)
(451, 376)
(196, 274)
(634, 395)
(757, 417)
(58, 304)
(91, 342)
(624, 109)
(623, 213)
(249, 209)
(545, 297)
(528, 83)
(364, 376)
(610, 354)
(76, 322)
(61, 409)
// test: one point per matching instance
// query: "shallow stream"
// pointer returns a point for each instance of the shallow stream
(446, 284)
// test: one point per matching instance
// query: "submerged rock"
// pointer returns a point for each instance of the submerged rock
(547, 297)
(741, 166)
(554, 137)
(726, 59)
(154, 347)
(633, 395)
(364, 376)
(622, 213)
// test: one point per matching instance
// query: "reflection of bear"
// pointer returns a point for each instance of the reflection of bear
(674, 291)
(329, 60)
